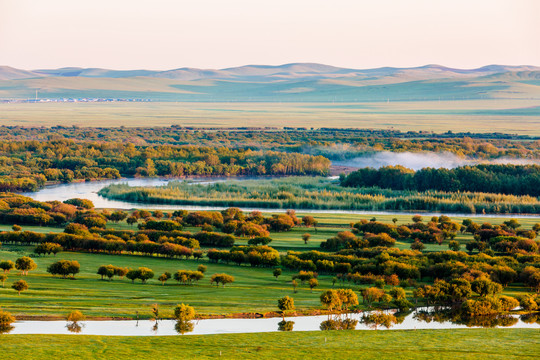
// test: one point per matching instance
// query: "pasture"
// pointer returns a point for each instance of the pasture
(516, 116)
(507, 344)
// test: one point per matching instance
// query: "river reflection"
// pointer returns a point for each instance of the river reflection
(422, 319)
(285, 325)
(74, 327)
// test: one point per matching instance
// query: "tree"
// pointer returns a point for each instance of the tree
(503, 274)
(417, 245)
(75, 316)
(164, 277)
(202, 268)
(454, 245)
(484, 287)
(155, 311)
(3, 278)
(184, 312)
(417, 219)
(372, 294)
(131, 220)
(309, 221)
(397, 293)
(117, 216)
(132, 275)
(295, 285)
(48, 248)
(306, 237)
(25, 264)
(330, 299)
(120, 271)
(64, 268)
(20, 286)
(106, 270)
(347, 298)
(394, 220)
(285, 304)
(313, 283)
(145, 274)
(512, 223)
(7, 265)
(277, 273)
(16, 227)
(221, 278)
(6, 319)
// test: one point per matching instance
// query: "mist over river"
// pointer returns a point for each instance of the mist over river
(417, 161)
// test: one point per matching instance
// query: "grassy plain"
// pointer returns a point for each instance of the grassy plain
(474, 344)
(254, 289)
(520, 116)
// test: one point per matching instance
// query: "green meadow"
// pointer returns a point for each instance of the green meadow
(254, 289)
(474, 344)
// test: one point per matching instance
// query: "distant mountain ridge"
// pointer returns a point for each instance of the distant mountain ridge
(292, 70)
(297, 82)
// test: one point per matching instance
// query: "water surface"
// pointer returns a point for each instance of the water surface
(226, 326)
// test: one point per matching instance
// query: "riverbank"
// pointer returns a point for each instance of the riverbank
(473, 344)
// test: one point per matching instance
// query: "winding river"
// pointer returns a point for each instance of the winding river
(89, 190)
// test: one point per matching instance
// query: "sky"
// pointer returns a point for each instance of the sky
(168, 34)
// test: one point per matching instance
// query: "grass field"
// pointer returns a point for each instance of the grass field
(489, 115)
(474, 344)
(254, 289)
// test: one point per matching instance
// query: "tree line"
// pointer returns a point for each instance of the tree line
(27, 165)
(498, 179)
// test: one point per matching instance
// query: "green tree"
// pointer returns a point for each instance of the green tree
(132, 275)
(330, 299)
(3, 278)
(25, 264)
(397, 293)
(145, 274)
(277, 273)
(454, 245)
(20, 286)
(484, 287)
(7, 265)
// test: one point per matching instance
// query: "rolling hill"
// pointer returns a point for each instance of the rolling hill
(298, 82)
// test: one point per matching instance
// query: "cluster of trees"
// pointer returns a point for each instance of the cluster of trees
(48, 248)
(498, 179)
(110, 271)
(255, 255)
(18, 209)
(322, 141)
(64, 268)
(27, 165)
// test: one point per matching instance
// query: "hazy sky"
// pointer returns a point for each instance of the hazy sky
(165, 34)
